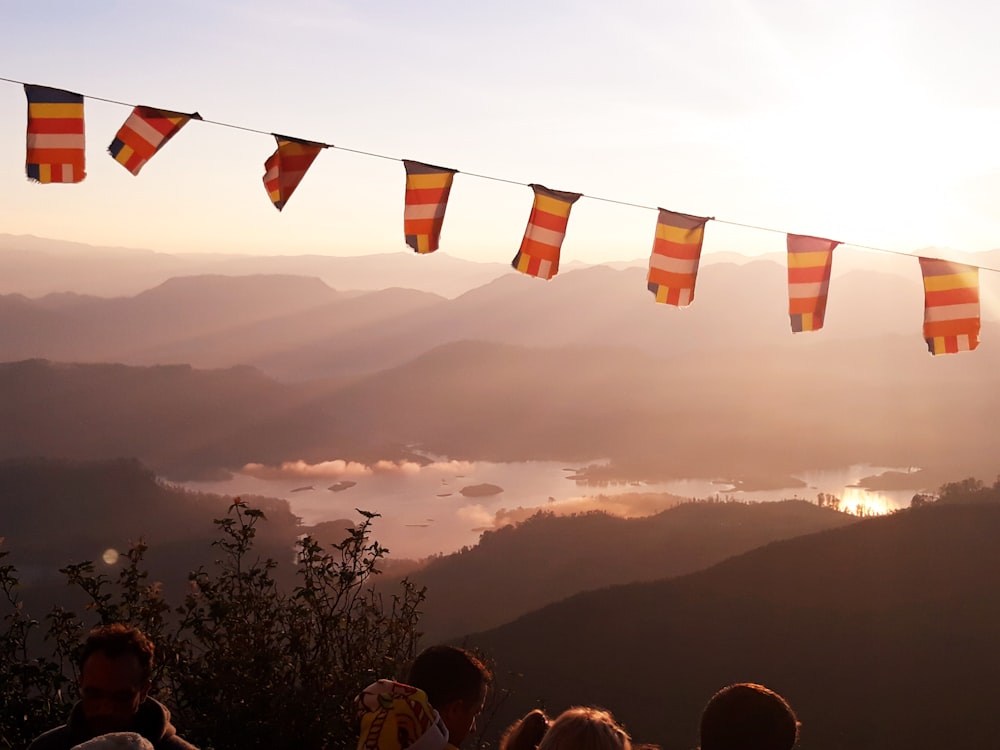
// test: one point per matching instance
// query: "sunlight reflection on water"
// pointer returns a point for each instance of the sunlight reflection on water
(424, 511)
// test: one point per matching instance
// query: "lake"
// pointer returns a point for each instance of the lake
(424, 511)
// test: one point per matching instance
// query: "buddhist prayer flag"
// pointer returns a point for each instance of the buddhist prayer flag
(427, 190)
(287, 166)
(951, 306)
(55, 135)
(673, 264)
(539, 253)
(144, 133)
(810, 260)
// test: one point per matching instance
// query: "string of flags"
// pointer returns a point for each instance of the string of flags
(55, 154)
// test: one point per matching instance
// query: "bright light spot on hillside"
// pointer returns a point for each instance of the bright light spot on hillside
(862, 502)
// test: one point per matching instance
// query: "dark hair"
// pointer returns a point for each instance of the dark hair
(747, 716)
(447, 674)
(526, 732)
(118, 640)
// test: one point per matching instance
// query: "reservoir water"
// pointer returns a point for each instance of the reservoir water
(424, 512)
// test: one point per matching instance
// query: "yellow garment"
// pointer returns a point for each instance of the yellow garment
(395, 716)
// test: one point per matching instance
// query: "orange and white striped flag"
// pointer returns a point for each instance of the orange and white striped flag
(144, 133)
(427, 189)
(810, 260)
(543, 238)
(286, 167)
(55, 142)
(673, 263)
(951, 306)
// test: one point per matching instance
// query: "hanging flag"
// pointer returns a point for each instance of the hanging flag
(673, 264)
(144, 133)
(427, 189)
(810, 260)
(539, 253)
(951, 306)
(55, 135)
(287, 166)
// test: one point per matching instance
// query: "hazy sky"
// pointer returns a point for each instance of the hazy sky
(864, 121)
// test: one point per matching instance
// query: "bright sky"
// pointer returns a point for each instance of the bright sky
(866, 121)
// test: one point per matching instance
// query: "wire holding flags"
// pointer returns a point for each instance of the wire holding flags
(55, 152)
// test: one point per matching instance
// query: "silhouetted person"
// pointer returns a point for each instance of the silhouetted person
(116, 663)
(747, 716)
(116, 741)
(526, 732)
(455, 682)
(585, 728)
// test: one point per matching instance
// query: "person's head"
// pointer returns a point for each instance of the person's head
(116, 741)
(116, 662)
(455, 682)
(747, 716)
(526, 732)
(583, 728)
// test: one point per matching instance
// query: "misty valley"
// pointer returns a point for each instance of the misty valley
(538, 470)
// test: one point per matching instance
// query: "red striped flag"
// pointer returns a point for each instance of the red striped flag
(286, 167)
(673, 263)
(144, 133)
(539, 253)
(810, 260)
(951, 306)
(55, 135)
(427, 189)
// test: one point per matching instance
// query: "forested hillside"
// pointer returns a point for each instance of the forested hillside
(547, 558)
(881, 634)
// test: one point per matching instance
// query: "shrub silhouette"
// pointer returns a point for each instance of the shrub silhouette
(242, 662)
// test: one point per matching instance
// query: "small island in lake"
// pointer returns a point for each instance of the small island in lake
(481, 490)
(345, 484)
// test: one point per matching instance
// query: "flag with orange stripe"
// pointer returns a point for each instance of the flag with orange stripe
(539, 253)
(951, 306)
(144, 133)
(55, 135)
(810, 260)
(673, 263)
(286, 167)
(427, 189)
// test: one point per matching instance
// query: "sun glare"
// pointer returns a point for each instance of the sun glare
(861, 502)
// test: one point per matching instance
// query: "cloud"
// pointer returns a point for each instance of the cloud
(339, 468)
(301, 469)
(396, 467)
(476, 515)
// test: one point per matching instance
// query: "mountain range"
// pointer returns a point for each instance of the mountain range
(296, 327)
(881, 634)
(775, 411)
(546, 558)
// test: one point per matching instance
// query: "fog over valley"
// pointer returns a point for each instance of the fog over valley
(522, 445)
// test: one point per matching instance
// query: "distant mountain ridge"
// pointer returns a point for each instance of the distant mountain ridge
(208, 321)
(298, 328)
(35, 266)
(769, 413)
(269, 368)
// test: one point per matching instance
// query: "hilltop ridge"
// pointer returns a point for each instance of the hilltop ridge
(547, 558)
(880, 634)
